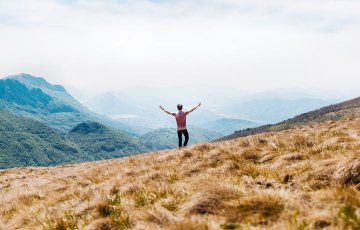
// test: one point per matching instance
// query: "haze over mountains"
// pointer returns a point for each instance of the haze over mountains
(241, 110)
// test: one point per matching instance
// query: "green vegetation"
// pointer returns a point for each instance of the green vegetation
(25, 142)
(102, 142)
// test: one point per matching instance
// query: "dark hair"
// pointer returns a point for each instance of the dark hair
(179, 106)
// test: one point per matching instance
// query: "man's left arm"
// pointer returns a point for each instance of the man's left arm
(191, 110)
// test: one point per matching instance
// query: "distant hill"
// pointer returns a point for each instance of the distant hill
(26, 142)
(102, 142)
(228, 126)
(270, 109)
(138, 107)
(350, 108)
(166, 138)
(34, 97)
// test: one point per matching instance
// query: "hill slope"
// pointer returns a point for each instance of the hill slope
(304, 178)
(101, 142)
(25, 142)
(350, 108)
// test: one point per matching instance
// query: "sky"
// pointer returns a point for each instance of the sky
(249, 45)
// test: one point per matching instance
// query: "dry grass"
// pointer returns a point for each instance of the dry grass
(304, 178)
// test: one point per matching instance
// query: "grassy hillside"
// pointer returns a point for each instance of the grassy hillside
(102, 142)
(304, 178)
(166, 138)
(350, 108)
(25, 142)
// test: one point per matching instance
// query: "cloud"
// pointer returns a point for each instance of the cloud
(249, 44)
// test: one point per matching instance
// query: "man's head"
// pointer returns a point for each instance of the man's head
(179, 107)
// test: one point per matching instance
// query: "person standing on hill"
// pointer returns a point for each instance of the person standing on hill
(180, 117)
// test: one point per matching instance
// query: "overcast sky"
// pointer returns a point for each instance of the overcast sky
(246, 44)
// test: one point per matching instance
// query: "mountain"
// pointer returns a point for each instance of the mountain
(166, 138)
(304, 178)
(350, 108)
(228, 126)
(55, 91)
(26, 142)
(14, 92)
(35, 98)
(102, 142)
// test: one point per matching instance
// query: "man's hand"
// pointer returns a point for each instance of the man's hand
(161, 107)
(199, 104)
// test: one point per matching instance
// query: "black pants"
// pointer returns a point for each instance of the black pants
(186, 134)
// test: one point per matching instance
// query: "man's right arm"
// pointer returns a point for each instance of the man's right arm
(170, 113)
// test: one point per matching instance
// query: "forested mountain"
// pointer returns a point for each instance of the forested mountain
(102, 142)
(26, 142)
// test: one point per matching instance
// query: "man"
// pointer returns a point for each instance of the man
(180, 117)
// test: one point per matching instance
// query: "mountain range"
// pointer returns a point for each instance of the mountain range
(35, 98)
(42, 125)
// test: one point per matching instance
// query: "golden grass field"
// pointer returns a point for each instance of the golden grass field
(304, 178)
